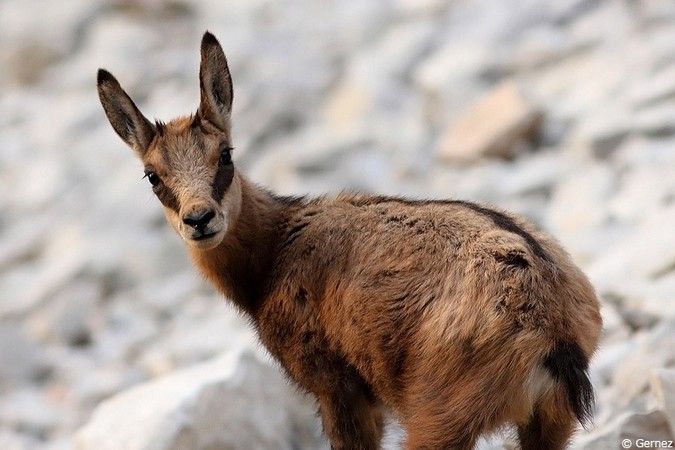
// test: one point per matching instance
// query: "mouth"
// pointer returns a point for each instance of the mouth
(204, 236)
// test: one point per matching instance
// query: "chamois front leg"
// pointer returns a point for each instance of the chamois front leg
(352, 420)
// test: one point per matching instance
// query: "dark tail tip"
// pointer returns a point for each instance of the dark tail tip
(568, 365)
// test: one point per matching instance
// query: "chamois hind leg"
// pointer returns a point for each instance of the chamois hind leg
(352, 420)
(452, 406)
(556, 414)
(550, 426)
(455, 441)
(447, 430)
(452, 416)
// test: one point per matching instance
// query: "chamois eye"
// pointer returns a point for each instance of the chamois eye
(153, 178)
(225, 156)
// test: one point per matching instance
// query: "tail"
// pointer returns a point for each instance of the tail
(568, 365)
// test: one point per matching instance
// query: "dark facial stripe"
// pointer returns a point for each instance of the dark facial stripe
(222, 181)
(167, 197)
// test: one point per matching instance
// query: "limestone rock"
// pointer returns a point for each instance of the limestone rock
(629, 428)
(21, 359)
(663, 387)
(16, 441)
(236, 402)
(496, 125)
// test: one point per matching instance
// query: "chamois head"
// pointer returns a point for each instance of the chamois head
(188, 160)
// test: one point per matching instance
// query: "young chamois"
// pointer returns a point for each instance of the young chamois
(458, 318)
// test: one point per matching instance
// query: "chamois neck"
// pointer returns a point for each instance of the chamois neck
(241, 265)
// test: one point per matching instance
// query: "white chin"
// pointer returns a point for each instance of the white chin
(205, 244)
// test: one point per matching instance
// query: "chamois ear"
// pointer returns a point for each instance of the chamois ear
(215, 84)
(127, 121)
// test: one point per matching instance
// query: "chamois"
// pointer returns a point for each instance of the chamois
(458, 318)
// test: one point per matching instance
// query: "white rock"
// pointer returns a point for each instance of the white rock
(449, 76)
(608, 356)
(648, 252)
(653, 349)
(221, 328)
(632, 426)
(652, 425)
(128, 326)
(21, 359)
(60, 261)
(534, 173)
(643, 191)
(69, 316)
(496, 125)
(236, 402)
(95, 384)
(538, 47)
(663, 387)
(419, 6)
(32, 411)
(657, 296)
(117, 42)
(603, 130)
(658, 89)
(577, 210)
(557, 85)
(613, 326)
(15, 441)
(29, 45)
(655, 121)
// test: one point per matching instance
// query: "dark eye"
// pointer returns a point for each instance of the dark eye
(225, 156)
(153, 178)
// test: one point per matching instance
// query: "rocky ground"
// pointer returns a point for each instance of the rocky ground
(561, 110)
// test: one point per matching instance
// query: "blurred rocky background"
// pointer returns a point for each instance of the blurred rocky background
(561, 110)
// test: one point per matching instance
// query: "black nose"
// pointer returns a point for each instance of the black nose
(199, 219)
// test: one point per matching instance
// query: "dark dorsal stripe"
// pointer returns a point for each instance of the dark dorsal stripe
(500, 220)
(288, 200)
(506, 223)
(222, 181)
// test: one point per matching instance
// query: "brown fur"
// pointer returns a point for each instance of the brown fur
(448, 313)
